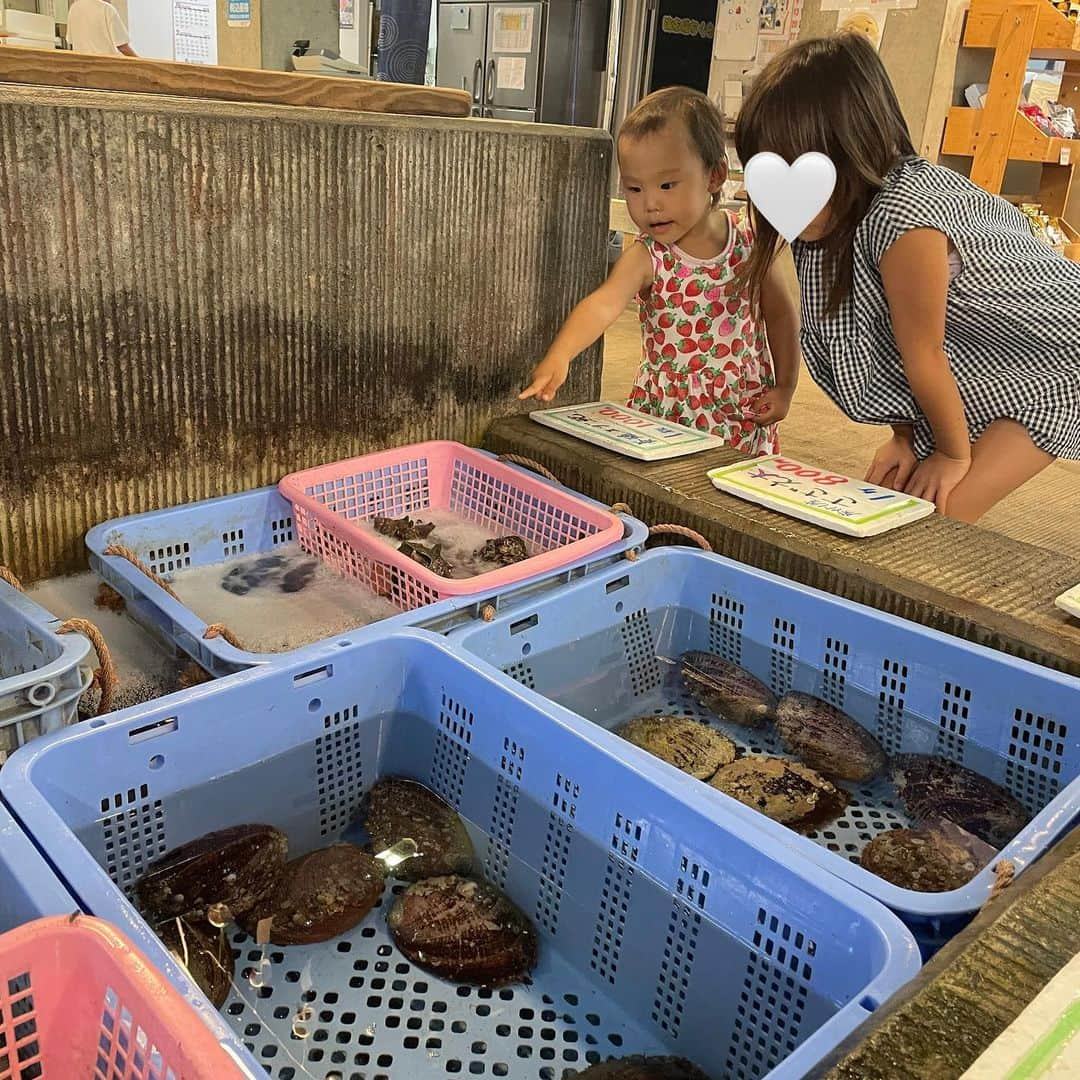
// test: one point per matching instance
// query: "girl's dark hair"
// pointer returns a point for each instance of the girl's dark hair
(703, 121)
(834, 96)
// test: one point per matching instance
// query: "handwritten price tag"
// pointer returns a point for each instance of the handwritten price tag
(825, 498)
(627, 431)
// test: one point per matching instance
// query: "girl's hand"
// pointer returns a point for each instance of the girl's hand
(893, 464)
(548, 376)
(935, 478)
(771, 406)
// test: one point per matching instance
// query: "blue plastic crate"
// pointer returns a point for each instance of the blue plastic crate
(255, 522)
(605, 648)
(663, 926)
(29, 889)
(42, 674)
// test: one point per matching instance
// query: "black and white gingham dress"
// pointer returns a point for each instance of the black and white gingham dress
(1012, 322)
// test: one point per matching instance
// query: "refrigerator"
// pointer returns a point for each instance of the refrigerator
(539, 62)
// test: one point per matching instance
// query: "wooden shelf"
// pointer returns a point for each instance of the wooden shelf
(1056, 37)
(1029, 142)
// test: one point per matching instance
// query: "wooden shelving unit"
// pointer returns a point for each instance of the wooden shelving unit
(999, 133)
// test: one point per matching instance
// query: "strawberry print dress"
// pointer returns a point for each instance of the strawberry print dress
(704, 355)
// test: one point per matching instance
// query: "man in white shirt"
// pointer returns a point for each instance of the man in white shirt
(95, 26)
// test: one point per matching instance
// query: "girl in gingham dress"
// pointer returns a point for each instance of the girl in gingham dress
(705, 358)
(927, 303)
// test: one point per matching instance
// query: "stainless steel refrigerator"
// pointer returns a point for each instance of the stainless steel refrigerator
(535, 61)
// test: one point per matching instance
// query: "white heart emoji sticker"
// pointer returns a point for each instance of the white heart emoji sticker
(789, 196)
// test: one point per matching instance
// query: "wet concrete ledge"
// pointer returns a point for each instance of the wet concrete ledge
(956, 578)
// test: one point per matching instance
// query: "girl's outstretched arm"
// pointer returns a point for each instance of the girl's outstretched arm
(915, 273)
(782, 329)
(632, 273)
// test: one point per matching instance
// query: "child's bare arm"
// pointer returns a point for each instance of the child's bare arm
(915, 274)
(782, 330)
(632, 273)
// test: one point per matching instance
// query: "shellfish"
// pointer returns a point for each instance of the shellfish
(919, 859)
(782, 790)
(687, 744)
(827, 739)
(726, 689)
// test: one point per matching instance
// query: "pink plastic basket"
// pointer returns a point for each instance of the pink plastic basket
(327, 500)
(77, 1000)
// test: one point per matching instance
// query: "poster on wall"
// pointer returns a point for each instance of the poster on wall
(239, 14)
(867, 21)
(195, 31)
(346, 15)
(778, 27)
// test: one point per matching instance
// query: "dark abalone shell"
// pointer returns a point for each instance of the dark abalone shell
(687, 744)
(782, 790)
(403, 528)
(463, 930)
(919, 859)
(827, 739)
(727, 690)
(505, 550)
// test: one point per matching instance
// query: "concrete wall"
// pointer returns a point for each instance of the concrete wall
(283, 21)
(197, 298)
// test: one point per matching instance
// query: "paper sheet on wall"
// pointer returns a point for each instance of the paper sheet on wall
(513, 30)
(867, 21)
(195, 31)
(510, 73)
(736, 33)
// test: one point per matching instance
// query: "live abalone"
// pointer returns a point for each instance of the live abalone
(431, 558)
(235, 867)
(827, 739)
(319, 896)
(932, 788)
(782, 790)
(463, 930)
(504, 550)
(398, 809)
(640, 1067)
(919, 859)
(726, 689)
(403, 528)
(687, 744)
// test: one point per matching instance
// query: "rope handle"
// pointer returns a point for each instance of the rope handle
(220, 630)
(1004, 873)
(10, 578)
(105, 677)
(681, 530)
(528, 463)
(126, 553)
(487, 613)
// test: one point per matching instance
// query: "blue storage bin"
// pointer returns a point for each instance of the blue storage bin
(42, 674)
(29, 889)
(257, 522)
(664, 925)
(599, 648)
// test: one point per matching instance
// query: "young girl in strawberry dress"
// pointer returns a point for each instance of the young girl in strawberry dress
(706, 359)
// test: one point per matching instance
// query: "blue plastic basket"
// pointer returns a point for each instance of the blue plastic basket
(239, 526)
(28, 887)
(599, 648)
(662, 925)
(42, 674)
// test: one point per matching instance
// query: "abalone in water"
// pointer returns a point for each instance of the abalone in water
(399, 809)
(403, 528)
(319, 896)
(783, 790)
(431, 558)
(827, 739)
(726, 689)
(932, 788)
(299, 577)
(504, 550)
(919, 859)
(463, 930)
(639, 1067)
(205, 953)
(689, 745)
(236, 867)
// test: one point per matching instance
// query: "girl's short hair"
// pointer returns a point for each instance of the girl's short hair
(831, 95)
(697, 112)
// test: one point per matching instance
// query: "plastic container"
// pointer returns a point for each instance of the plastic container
(599, 646)
(42, 674)
(28, 887)
(664, 924)
(558, 526)
(257, 522)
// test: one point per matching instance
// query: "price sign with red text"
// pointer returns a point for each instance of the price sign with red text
(627, 431)
(820, 496)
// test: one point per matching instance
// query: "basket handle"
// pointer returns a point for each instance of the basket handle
(105, 676)
(10, 578)
(528, 463)
(681, 530)
(220, 630)
(126, 553)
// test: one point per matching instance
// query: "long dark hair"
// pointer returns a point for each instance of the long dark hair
(834, 96)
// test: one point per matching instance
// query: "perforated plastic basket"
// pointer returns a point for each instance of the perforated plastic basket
(76, 1000)
(558, 527)
(29, 889)
(42, 674)
(662, 926)
(253, 523)
(599, 648)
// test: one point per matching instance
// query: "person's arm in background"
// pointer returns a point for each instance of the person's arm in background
(119, 32)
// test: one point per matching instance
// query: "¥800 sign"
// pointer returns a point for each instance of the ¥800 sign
(671, 24)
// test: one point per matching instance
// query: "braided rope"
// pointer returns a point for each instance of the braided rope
(127, 553)
(528, 463)
(1004, 873)
(105, 676)
(222, 631)
(10, 578)
(681, 530)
